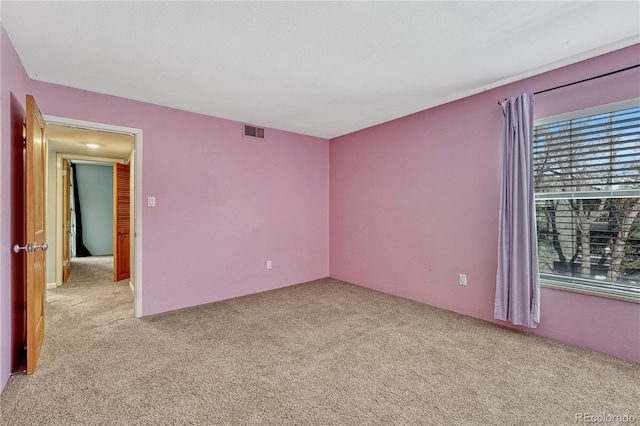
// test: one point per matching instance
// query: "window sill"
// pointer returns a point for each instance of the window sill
(585, 289)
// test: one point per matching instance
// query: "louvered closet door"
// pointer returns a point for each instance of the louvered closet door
(121, 245)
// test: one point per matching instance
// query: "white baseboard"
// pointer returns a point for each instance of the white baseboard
(131, 288)
(51, 285)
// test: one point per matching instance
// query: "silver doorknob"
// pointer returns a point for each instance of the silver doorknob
(18, 247)
(44, 247)
(30, 248)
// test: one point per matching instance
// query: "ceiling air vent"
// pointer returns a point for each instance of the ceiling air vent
(254, 132)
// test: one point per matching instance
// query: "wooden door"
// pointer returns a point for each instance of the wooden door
(121, 219)
(66, 221)
(35, 216)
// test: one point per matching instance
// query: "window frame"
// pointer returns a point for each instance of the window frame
(577, 284)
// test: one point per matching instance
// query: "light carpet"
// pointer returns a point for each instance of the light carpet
(320, 353)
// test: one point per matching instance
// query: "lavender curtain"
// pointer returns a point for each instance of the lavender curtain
(517, 283)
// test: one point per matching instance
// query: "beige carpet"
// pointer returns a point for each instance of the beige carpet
(320, 353)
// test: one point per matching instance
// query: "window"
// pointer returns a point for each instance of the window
(587, 184)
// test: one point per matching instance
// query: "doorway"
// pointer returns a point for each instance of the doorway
(88, 211)
(66, 148)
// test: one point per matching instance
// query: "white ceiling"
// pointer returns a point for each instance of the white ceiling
(316, 68)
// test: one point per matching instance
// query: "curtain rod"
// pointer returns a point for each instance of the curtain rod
(581, 81)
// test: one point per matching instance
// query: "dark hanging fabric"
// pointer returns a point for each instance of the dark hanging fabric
(81, 249)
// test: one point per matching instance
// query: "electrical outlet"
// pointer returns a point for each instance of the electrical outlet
(151, 201)
(463, 279)
(268, 264)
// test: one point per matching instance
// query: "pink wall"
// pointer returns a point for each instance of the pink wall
(414, 202)
(13, 81)
(225, 204)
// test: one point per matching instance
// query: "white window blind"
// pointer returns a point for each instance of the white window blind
(587, 184)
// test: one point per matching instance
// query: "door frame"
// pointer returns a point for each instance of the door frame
(136, 228)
